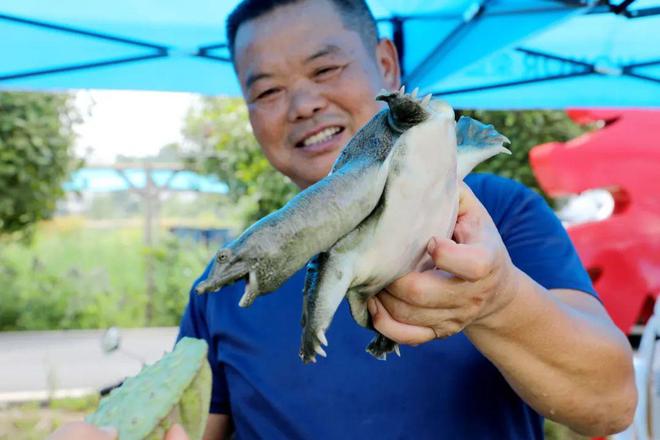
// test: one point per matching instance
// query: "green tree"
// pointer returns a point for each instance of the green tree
(36, 139)
(221, 143)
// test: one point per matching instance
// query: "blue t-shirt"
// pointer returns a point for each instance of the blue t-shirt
(441, 389)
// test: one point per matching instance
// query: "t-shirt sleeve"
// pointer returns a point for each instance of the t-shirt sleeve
(194, 324)
(533, 235)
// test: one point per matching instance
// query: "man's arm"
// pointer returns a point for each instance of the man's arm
(558, 349)
(218, 427)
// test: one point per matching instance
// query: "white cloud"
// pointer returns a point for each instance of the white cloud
(134, 123)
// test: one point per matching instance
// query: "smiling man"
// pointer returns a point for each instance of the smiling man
(509, 325)
(309, 79)
(507, 329)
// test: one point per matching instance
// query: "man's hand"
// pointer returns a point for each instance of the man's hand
(474, 277)
(528, 332)
(85, 431)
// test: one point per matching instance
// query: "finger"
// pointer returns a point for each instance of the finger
(405, 313)
(431, 288)
(176, 432)
(398, 332)
(467, 201)
(83, 431)
(470, 262)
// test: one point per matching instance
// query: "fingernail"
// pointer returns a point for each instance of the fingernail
(431, 246)
(371, 305)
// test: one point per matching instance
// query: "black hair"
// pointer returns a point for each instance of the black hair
(355, 15)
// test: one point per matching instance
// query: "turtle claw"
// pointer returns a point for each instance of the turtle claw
(402, 90)
(427, 99)
(251, 291)
(247, 299)
(311, 345)
(381, 345)
(414, 93)
(321, 337)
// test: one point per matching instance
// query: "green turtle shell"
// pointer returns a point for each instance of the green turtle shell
(175, 389)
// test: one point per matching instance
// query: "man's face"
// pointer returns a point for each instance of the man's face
(309, 84)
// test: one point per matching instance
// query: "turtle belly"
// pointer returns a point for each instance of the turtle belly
(421, 201)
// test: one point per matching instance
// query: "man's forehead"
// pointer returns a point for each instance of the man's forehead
(256, 58)
(291, 34)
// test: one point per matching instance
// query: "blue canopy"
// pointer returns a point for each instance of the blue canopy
(180, 46)
(474, 53)
(609, 57)
(108, 179)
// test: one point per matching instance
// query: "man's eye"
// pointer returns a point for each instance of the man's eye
(267, 93)
(326, 72)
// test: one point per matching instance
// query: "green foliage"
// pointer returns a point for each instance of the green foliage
(84, 404)
(525, 129)
(85, 278)
(176, 263)
(35, 156)
(223, 145)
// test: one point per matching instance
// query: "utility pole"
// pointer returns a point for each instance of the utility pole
(150, 196)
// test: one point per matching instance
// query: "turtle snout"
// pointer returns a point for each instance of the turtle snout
(226, 270)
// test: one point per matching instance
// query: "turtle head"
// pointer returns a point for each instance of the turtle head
(227, 268)
(405, 110)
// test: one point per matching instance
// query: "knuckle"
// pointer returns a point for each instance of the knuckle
(455, 326)
(483, 264)
(416, 292)
(399, 312)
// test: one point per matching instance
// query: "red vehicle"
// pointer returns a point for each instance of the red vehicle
(622, 251)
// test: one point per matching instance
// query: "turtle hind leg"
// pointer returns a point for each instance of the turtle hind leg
(359, 311)
(381, 345)
(328, 278)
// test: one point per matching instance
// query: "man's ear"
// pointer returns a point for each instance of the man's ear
(387, 58)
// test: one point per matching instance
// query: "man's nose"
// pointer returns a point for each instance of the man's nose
(305, 102)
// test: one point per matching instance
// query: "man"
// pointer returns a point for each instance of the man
(507, 330)
(309, 71)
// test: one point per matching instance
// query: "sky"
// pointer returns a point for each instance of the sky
(134, 123)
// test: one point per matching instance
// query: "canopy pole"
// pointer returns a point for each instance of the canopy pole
(399, 41)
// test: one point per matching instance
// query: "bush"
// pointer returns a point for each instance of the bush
(86, 279)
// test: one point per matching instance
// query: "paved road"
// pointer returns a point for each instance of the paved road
(73, 360)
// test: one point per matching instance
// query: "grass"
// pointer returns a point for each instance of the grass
(94, 277)
(68, 246)
(36, 420)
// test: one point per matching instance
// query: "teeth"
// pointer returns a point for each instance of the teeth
(321, 136)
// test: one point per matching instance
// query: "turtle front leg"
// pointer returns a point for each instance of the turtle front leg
(328, 278)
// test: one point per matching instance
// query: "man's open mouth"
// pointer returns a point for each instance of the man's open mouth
(322, 136)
